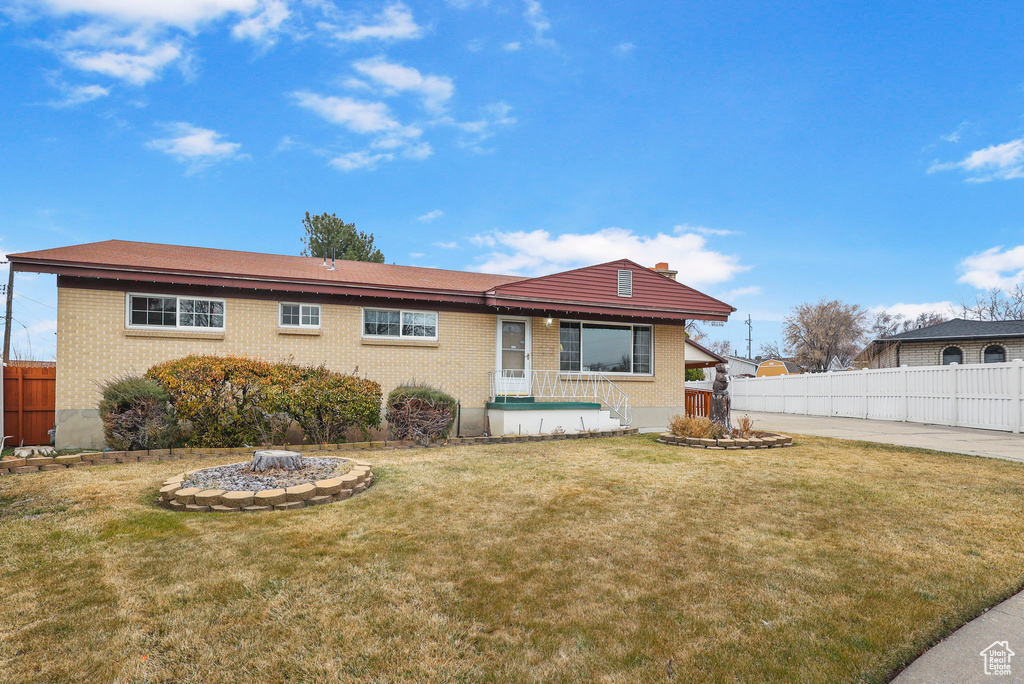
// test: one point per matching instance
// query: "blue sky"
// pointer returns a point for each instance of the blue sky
(774, 155)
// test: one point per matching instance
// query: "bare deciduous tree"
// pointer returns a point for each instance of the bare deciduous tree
(820, 333)
(720, 347)
(886, 324)
(995, 305)
(770, 350)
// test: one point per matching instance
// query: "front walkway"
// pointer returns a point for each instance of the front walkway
(958, 658)
(991, 443)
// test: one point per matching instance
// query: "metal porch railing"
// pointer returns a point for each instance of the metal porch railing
(550, 384)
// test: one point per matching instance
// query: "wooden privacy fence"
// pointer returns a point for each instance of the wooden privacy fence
(29, 401)
(698, 402)
(989, 396)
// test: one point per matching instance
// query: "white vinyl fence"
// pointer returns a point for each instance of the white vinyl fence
(988, 396)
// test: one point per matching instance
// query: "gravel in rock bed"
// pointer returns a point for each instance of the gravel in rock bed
(239, 477)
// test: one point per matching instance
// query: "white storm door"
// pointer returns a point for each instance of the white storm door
(513, 357)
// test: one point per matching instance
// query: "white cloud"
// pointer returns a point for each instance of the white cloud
(994, 268)
(431, 216)
(492, 116)
(625, 48)
(76, 95)
(396, 78)
(395, 22)
(475, 45)
(912, 311)
(198, 147)
(703, 230)
(955, 135)
(179, 13)
(748, 291)
(137, 68)
(996, 162)
(358, 116)
(538, 253)
(447, 245)
(538, 20)
(417, 255)
(362, 159)
(263, 26)
(135, 40)
(512, 47)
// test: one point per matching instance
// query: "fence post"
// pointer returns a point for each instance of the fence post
(954, 418)
(1016, 383)
(865, 376)
(807, 397)
(831, 394)
(905, 403)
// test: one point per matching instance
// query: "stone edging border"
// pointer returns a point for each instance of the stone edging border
(17, 466)
(195, 500)
(775, 440)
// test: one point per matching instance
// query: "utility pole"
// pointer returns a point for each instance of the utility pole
(750, 336)
(9, 291)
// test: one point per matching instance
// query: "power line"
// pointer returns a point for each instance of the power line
(25, 296)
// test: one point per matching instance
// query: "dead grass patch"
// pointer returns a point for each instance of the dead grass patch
(571, 561)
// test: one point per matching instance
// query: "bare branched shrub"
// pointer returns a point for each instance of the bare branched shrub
(744, 427)
(420, 412)
(686, 426)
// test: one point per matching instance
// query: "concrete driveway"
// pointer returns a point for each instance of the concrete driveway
(957, 440)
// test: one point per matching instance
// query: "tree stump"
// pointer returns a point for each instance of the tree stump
(720, 404)
(264, 459)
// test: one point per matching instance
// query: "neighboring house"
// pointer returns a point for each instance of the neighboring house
(736, 367)
(956, 341)
(699, 356)
(610, 338)
(770, 367)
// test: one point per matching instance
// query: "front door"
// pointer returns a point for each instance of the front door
(513, 377)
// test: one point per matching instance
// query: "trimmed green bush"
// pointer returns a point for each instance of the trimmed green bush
(136, 414)
(326, 405)
(420, 412)
(229, 401)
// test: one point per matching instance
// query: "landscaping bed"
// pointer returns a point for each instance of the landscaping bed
(763, 440)
(235, 487)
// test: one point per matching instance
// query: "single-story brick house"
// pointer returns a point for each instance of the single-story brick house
(578, 349)
(956, 341)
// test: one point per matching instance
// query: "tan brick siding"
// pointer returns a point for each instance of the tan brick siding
(93, 346)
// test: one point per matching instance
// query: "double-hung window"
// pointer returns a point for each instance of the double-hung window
(605, 348)
(400, 324)
(299, 315)
(179, 313)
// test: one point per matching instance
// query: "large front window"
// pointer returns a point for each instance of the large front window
(153, 311)
(604, 348)
(400, 324)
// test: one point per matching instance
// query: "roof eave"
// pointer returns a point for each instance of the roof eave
(243, 282)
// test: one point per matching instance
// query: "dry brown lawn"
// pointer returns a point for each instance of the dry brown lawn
(575, 561)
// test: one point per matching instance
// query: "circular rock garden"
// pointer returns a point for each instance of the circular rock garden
(273, 480)
(762, 440)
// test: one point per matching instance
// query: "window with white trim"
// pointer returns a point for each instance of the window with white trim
(179, 313)
(605, 348)
(400, 324)
(299, 315)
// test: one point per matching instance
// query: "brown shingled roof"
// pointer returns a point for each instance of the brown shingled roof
(124, 254)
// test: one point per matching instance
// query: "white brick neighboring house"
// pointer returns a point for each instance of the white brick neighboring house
(956, 341)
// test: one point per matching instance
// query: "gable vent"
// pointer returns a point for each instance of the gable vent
(625, 283)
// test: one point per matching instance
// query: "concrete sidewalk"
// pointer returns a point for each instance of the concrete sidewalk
(958, 658)
(990, 443)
